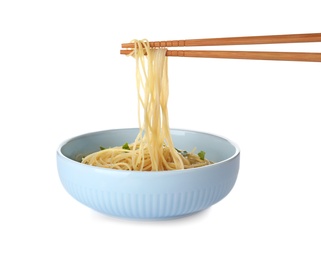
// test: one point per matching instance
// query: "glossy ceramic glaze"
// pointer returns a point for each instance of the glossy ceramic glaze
(148, 195)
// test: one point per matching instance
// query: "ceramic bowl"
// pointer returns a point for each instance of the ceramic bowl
(148, 195)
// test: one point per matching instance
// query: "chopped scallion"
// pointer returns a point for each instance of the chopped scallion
(201, 155)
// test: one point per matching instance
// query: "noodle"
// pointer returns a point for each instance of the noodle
(153, 148)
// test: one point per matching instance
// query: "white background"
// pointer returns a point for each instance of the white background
(61, 75)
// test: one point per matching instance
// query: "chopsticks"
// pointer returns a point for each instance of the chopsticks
(267, 39)
(250, 55)
(247, 40)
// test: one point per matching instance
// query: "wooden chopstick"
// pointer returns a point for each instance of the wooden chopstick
(250, 55)
(267, 39)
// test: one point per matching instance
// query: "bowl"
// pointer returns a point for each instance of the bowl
(148, 195)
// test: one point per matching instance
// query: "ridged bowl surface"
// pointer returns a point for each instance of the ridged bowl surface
(148, 195)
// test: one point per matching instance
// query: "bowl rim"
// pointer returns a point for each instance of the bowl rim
(126, 172)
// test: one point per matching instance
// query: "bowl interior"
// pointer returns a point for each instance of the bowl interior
(217, 148)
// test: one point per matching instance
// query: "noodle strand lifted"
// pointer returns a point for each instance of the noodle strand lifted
(153, 148)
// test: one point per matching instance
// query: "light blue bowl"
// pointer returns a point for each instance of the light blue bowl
(148, 195)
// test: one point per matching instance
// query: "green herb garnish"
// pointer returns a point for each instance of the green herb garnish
(201, 155)
(102, 148)
(184, 153)
(126, 146)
